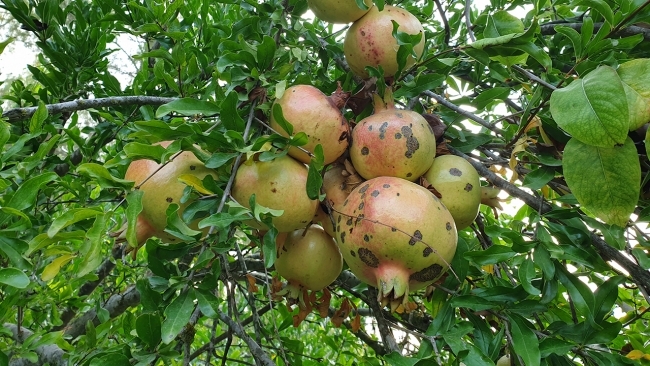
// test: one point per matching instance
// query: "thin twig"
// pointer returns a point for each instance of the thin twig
(384, 330)
(534, 77)
(468, 23)
(440, 99)
(257, 352)
(445, 22)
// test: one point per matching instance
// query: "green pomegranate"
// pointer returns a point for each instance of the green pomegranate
(338, 11)
(163, 186)
(308, 259)
(279, 184)
(370, 41)
(392, 142)
(397, 236)
(458, 183)
(317, 115)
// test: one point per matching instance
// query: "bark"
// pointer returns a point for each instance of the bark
(50, 353)
(632, 30)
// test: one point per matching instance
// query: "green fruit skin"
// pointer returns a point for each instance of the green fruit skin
(279, 184)
(338, 11)
(458, 183)
(370, 41)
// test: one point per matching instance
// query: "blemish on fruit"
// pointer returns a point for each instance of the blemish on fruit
(382, 130)
(352, 253)
(375, 193)
(386, 185)
(417, 236)
(365, 150)
(361, 205)
(366, 238)
(344, 136)
(428, 274)
(343, 237)
(399, 115)
(468, 187)
(274, 190)
(455, 172)
(409, 174)
(368, 257)
(426, 252)
(412, 143)
(398, 135)
(349, 222)
(363, 189)
(192, 167)
(393, 229)
(370, 128)
(169, 199)
(448, 226)
(338, 221)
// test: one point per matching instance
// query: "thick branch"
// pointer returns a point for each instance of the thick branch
(549, 29)
(20, 114)
(50, 353)
(255, 348)
(384, 330)
(640, 276)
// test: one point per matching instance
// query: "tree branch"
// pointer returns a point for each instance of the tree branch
(390, 345)
(255, 348)
(20, 114)
(50, 353)
(440, 99)
(632, 30)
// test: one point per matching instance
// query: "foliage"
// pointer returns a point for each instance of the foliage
(547, 100)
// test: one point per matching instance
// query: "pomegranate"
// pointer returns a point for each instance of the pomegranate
(308, 259)
(336, 186)
(397, 236)
(458, 183)
(392, 142)
(504, 361)
(317, 115)
(162, 187)
(279, 184)
(338, 11)
(370, 41)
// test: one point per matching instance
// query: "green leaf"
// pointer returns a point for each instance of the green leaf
(574, 36)
(490, 95)
(279, 118)
(635, 76)
(539, 177)
(581, 295)
(133, 209)
(474, 303)
(605, 297)
(491, 255)
(113, 359)
(102, 176)
(51, 270)
(269, 247)
(208, 303)
(471, 142)
(266, 53)
(176, 226)
(526, 276)
(70, 217)
(524, 341)
(188, 107)
(219, 159)
(606, 181)
(25, 196)
(5, 133)
(230, 115)
(221, 220)
(138, 150)
(36, 122)
(149, 298)
(536, 52)
(91, 251)
(422, 83)
(554, 346)
(542, 259)
(177, 315)
(43, 240)
(314, 181)
(593, 109)
(396, 359)
(502, 23)
(14, 277)
(600, 6)
(148, 328)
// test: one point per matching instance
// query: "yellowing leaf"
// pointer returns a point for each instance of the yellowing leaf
(635, 355)
(52, 269)
(194, 182)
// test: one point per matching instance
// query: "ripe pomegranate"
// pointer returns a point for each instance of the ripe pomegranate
(370, 41)
(338, 11)
(458, 183)
(162, 187)
(312, 112)
(279, 184)
(392, 142)
(308, 259)
(397, 236)
(336, 187)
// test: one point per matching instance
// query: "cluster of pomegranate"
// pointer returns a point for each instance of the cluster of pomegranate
(391, 209)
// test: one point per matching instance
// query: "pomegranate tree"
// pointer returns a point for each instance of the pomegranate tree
(161, 187)
(308, 259)
(392, 142)
(458, 183)
(397, 236)
(370, 41)
(279, 184)
(317, 115)
(338, 11)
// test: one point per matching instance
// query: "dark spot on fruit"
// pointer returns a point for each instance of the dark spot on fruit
(370, 128)
(338, 221)
(352, 253)
(192, 167)
(363, 33)
(344, 136)
(408, 175)
(382, 130)
(393, 229)
(366, 238)
(359, 219)
(417, 236)
(361, 205)
(468, 187)
(397, 194)
(455, 172)
(386, 185)
(274, 190)
(169, 199)
(375, 193)
(345, 203)
(365, 150)
(368, 257)
(343, 237)
(428, 274)
(412, 144)
(398, 135)
(364, 188)
(448, 226)
(349, 222)
(351, 229)
(427, 251)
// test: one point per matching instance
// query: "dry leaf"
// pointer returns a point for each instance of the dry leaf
(355, 325)
(252, 283)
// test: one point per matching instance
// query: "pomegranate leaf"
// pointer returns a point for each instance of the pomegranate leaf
(606, 181)
(176, 226)
(636, 81)
(91, 251)
(266, 53)
(229, 113)
(102, 176)
(501, 23)
(362, 4)
(51, 270)
(279, 118)
(219, 159)
(147, 326)
(70, 217)
(14, 277)
(269, 247)
(527, 275)
(188, 107)
(260, 212)
(133, 209)
(593, 109)
(524, 341)
(138, 150)
(208, 303)
(177, 314)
